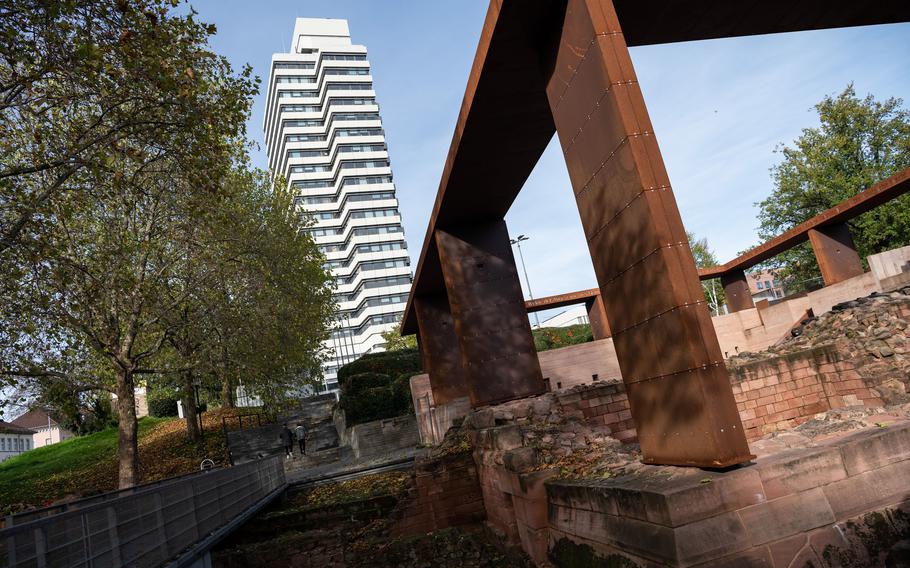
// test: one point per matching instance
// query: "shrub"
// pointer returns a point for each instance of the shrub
(555, 337)
(162, 407)
(377, 386)
(391, 363)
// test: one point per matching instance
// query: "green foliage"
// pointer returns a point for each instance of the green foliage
(394, 341)
(378, 386)
(30, 473)
(704, 258)
(555, 337)
(390, 363)
(162, 407)
(136, 243)
(859, 142)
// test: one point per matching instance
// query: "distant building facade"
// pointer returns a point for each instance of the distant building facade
(14, 440)
(765, 285)
(46, 430)
(572, 316)
(323, 133)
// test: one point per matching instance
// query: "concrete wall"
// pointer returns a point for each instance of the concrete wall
(579, 364)
(383, 436)
(890, 263)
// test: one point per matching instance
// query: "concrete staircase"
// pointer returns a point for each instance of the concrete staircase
(314, 413)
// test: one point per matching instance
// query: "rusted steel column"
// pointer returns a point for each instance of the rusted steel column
(497, 348)
(441, 355)
(736, 289)
(679, 391)
(835, 253)
(597, 316)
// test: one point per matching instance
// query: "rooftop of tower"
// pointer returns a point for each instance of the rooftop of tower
(318, 33)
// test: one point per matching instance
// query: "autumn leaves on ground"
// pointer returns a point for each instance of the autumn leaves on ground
(87, 465)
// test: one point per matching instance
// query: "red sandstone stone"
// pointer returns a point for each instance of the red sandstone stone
(784, 551)
(883, 486)
(797, 470)
(786, 516)
(709, 539)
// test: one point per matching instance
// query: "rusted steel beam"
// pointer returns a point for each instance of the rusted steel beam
(736, 289)
(439, 349)
(487, 306)
(852, 207)
(561, 300)
(835, 252)
(679, 391)
(597, 316)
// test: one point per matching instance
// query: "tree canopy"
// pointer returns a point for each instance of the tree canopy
(704, 257)
(858, 142)
(137, 244)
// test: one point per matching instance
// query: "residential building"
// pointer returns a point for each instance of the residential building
(765, 285)
(14, 440)
(47, 430)
(323, 133)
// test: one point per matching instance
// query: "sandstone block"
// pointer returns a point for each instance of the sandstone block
(869, 490)
(798, 470)
(864, 452)
(709, 539)
(787, 516)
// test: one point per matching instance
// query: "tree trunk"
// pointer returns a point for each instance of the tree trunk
(189, 410)
(128, 447)
(227, 393)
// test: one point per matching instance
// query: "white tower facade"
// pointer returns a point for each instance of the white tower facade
(323, 133)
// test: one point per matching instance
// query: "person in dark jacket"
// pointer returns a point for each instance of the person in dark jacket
(300, 433)
(287, 438)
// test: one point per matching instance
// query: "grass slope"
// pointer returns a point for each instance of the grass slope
(88, 464)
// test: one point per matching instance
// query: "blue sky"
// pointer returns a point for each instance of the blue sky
(719, 109)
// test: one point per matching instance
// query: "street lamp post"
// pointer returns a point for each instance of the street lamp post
(517, 241)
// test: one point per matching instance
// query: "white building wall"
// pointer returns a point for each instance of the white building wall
(11, 445)
(323, 133)
(572, 316)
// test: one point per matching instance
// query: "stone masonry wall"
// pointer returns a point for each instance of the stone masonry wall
(785, 391)
(445, 493)
(844, 503)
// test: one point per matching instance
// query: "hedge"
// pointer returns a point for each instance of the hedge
(391, 363)
(378, 386)
(162, 407)
(555, 337)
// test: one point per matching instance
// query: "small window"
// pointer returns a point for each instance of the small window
(768, 284)
(758, 285)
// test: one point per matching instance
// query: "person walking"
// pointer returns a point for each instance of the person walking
(300, 431)
(287, 438)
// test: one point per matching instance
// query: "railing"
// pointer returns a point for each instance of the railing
(148, 526)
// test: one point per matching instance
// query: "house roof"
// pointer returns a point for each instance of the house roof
(7, 428)
(34, 418)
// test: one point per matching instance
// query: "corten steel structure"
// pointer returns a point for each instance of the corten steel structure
(830, 237)
(597, 316)
(553, 66)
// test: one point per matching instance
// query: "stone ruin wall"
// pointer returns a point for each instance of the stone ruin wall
(855, 356)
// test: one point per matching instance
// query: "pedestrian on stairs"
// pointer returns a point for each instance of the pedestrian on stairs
(287, 438)
(300, 431)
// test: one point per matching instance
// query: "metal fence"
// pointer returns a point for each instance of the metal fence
(146, 527)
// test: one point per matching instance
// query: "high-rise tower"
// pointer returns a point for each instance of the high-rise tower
(323, 132)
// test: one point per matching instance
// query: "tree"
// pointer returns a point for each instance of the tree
(86, 79)
(858, 143)
(395, 341)
(119, 127)
(704, 258)
(261, 314)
